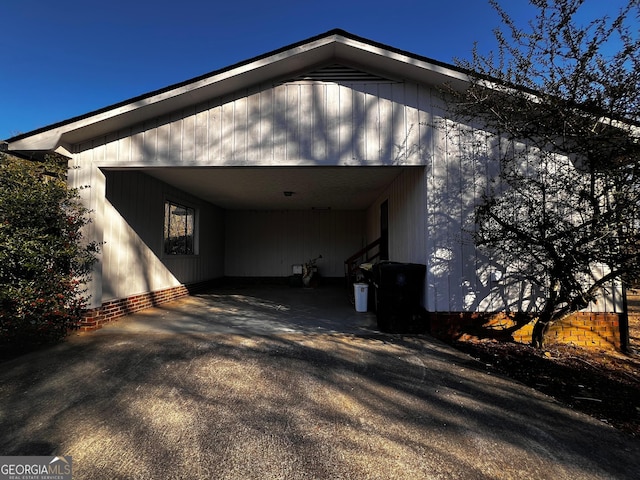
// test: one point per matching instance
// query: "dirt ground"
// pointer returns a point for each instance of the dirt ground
(602, 383)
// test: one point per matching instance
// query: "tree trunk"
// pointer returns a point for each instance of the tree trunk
(545, 320)
(540, 328)
(537, 336)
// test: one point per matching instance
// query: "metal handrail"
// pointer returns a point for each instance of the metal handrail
(351, 265)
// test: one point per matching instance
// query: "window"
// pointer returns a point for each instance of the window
(179, 229)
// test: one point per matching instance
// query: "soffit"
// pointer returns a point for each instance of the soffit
(262, 188)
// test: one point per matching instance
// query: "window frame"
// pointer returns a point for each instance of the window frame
(168, 205)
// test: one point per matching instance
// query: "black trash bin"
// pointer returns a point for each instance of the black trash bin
(398, 295)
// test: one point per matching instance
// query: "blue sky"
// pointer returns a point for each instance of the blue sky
(63, 58)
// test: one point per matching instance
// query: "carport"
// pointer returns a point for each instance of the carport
(257, 222)
(276, 217)
(253, 224)
(319, 148)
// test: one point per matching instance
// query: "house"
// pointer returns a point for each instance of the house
(320, 147)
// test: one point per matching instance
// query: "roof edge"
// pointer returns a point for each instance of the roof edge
(160, 91)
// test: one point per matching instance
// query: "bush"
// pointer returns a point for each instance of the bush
(44, 262)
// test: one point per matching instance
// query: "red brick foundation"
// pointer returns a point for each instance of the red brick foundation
(108, 311)
(113, 309)
(601, 330)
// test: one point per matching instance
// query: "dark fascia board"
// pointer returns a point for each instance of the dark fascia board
(141, 98)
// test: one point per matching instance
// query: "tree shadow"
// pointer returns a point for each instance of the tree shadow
(298, 405)
(294, 123)
(472, 292)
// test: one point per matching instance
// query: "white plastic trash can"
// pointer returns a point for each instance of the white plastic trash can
(361, 291)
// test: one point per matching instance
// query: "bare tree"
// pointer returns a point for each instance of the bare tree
(563, 99)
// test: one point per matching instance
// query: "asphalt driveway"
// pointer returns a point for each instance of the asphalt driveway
(264, 384)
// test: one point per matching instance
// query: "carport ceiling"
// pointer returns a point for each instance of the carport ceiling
(262, 188)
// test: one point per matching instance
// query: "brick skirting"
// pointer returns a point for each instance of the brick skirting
(113, 309)
(585, 329)
(108, 311)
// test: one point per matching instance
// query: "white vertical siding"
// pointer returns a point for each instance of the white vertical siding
(268, 243)
(318, 126)
(346, 138)
(189, 146)
(227, 137)
(83, 174)
(455, 182)
(213, 146)
(309, 123)
(406, 198)
(292, 123)
(133, 260)
(278, 126)
(298, 123)
(162, 152)
(333, 126)
(385, 111)
(201, 135)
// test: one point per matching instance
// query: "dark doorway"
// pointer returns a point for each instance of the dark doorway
(384, 230)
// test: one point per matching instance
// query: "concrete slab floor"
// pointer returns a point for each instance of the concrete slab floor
(253, 309)
(168, 394)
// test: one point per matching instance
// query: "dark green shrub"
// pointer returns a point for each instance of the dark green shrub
(44, 261)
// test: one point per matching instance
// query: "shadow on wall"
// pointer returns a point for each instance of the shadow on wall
(472, 293)
(463, 281)
(296, 123)
(133, 258)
